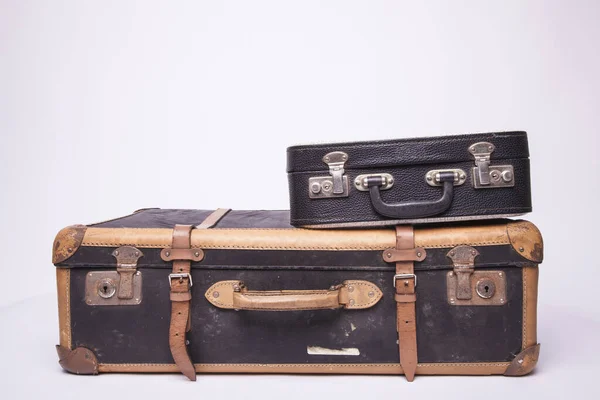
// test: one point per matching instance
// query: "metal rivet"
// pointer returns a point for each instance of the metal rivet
(405, 283)
(501, 300)
(473, 252)
(167, 253)
(521, 249)
(500, 274)
(451, 273)
(137, 253)
(429, 178)
(351, 302)
(344, 157)
(90, 274)
(452, 253)
(326, 159)
(351, 288)
(472, 148)
(463, 176)
(187, 342)
(70, 249)
(116, 253)
(138, 273)
(89, 301)
(419, 254)
(215, 294)
(520, 361)
(371, 294)
(197, 254)
(389, 255)
(137, 300)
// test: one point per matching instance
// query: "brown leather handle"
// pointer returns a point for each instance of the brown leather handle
(350, 295)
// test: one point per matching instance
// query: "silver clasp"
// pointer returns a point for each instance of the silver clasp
(180, 276)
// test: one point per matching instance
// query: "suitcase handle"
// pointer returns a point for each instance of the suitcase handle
(351, 295)
(413, 209)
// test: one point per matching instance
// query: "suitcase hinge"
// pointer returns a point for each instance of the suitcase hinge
(486, 176)
(335, 185)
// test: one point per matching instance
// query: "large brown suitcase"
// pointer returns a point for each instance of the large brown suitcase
(151, 292)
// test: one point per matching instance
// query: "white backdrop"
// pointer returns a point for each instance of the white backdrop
(111, 106)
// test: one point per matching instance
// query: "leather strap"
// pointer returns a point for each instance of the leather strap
(213, 218)
(405, 282)
(181, 285)
(181, 297)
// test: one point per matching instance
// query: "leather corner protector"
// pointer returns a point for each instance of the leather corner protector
(364, 294)
(526, 239)
(524, 362)
(67, 242)
(81, 361)
(221, 294)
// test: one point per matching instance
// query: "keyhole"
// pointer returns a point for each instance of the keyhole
(486, 288)
(106, 288)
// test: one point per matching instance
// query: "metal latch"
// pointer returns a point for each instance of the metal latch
(116, 288)
(463, 258)
(335, 185)
(467, 287)
(487, 176)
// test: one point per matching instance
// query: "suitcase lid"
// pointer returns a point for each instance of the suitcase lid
(413, 151)
(264, 239)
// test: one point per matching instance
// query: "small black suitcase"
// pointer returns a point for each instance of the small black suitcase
(406, 181)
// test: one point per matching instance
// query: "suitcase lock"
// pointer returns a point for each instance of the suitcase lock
(334, 185)
(116, 288)
(486, 176)
(467, 287)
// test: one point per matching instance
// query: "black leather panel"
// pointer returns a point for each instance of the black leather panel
(404, 152)
(409, 186)
(139, 334)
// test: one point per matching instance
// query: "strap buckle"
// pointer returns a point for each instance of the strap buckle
(180, 276)
(405, 276)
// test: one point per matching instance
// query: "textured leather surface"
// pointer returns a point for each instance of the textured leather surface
(167, 218)
(413, 151)
(410, 185)
(444, 333)
(408, 161)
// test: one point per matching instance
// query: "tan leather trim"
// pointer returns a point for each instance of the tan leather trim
(299, 239)
(530, 296)
(352, 294)
(524, 362)
(367, 369)
(489, 235)
(63, 277)
(527, 240)
(66, 242)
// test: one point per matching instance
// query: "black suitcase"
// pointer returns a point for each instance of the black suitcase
(408, 181)
(144, 293)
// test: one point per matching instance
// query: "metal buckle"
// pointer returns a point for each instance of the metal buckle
(180, 276)
(405, 276)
